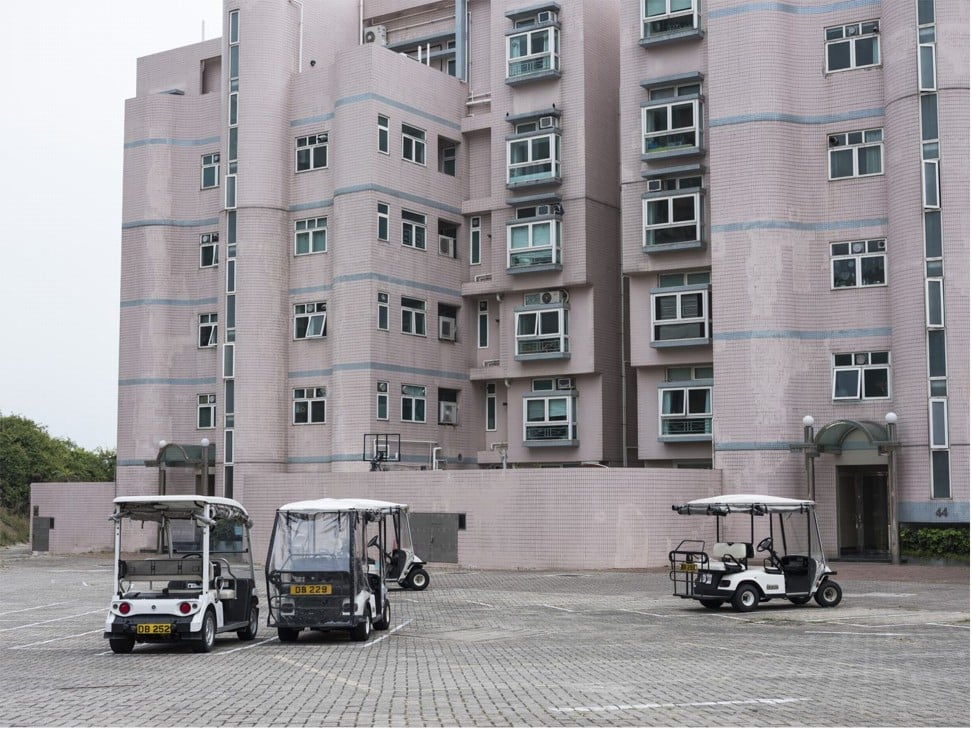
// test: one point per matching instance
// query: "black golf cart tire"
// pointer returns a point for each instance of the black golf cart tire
(385, 620)
(828, 594)
(711, 603)
(207, 636)
(746, 598)
(799, 600)
(362, 631)
(417, 579)
(121, 645)
(288, 635)
(252, 626)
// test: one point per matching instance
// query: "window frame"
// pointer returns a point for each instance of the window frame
(545, 344)
(414, 318)
(383, 221)
(872, 248)
(670, 15)
(311, 227)
(552, 248)
(551, 161)
(381, 400)
(549, 58)
(417, 398)
(669, 103)
(852, 39)
(704, 318)
(209, 242)
(384, 134)
(686, 415)
(414, 144)
(414, 230)
(475, 241)
(384, 311)
(314, 400)
(841, 142)
(209, 164)
(548, 423)
(209, 406)
(312, 146)
(861, 367)
(671, 198)
(208, 321)
(305, 318)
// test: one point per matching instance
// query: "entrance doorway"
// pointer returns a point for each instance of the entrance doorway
(862, 512)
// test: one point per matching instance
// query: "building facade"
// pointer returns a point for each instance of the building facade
(473, 234)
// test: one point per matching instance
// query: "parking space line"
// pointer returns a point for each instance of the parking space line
(946, 625)
(336, 677)
(687, 705)
(245, 647)
(484, 604)
(52, 620)
(858, 632)
(36, 607)
(642, 612)
(393, 630)
(554, 607)
(53, 640)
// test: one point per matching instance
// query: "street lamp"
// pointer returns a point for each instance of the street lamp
(205, 455)
(891, 419)
(162, 445)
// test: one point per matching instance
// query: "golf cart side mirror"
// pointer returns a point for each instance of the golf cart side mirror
(373, 541)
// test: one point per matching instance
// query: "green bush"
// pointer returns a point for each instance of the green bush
(14, 529)
(935, 541)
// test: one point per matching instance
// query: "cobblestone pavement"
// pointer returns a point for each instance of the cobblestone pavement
(506, 648)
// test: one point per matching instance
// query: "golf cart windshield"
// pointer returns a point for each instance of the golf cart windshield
(315, 541)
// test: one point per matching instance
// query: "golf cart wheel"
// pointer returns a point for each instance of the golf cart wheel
(828, 594)
(385, 620)
(362, 631)
(288, 635)
(121, 645)
(207, 635)
(802, 600)
(711, 604)
(252, 625)
(418, 579)
(746, 598)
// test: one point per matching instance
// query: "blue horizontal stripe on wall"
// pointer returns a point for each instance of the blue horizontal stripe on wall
(169, 302)
(327, 116)
(171, 142)
(778, 7)
(358, 98)
(381, 366)
(391, 192)
(802, 334)
(797, 225)
(167, 381)
(351, 278)
(310, 206)
(171, 223)
(774, 116)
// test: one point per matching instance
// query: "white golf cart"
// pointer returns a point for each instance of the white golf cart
(326, 569)
(402, 565)
(187, 579)
(795, 567)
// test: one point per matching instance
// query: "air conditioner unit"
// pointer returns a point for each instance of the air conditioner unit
(322, 138)
(547, 122)
(447, 246)
(543, 210)
(654, 185)
(205, 238)
(382, 387)
(546, 16)
(565, 383)
(447, 328)
(449, 413)
(376, 34)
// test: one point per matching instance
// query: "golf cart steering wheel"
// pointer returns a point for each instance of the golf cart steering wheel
(766, 545)
(192, 554)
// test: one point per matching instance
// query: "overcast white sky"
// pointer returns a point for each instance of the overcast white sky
(67, 68)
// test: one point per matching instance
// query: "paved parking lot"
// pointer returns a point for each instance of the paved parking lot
(506, 648)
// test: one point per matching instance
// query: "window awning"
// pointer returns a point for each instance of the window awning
(831, 438)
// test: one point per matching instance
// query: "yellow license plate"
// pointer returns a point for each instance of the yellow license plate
(687, 567)
(310, 589)
(153, 628)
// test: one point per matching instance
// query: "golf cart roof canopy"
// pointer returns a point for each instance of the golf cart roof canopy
(341, 505)
(743, 503)
(156, 508)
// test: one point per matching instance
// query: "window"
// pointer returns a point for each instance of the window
(383, 311)
(541, 332)
(413, 230)
(447, 156)
(685, 412)
(938, 422)
(663, 17)
(672, 219)
(210, 171)
(309, 405)
(862, 376)
(312, 152)
(206, 411)
(671, 120)
(853, 46)
(208, 250)
(413, 144)
(475, 241)
(534, 51)
(941, 482)
(413, 403)
(490, 406)
(381, 400)
(935, 300)
(383, 221)
(532, 159)
(482, 325)
(413, 316)
(927, 72)
(448, 406)
(534, 243)
(208, 330)
(856, 154)
(310, 236)
(383, 134)
(858, 263)
(550, 413)
(310, 320)
(680, 315)
(930, 184)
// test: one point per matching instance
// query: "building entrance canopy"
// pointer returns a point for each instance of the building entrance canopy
(831, 437)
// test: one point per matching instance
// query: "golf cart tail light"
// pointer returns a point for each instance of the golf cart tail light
(125, 608)
(185, 608)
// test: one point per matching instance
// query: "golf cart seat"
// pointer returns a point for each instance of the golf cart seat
(737, 555)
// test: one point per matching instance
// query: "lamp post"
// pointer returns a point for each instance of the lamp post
(205, 455)
(162, 445)
(891, 419)
(808, 455)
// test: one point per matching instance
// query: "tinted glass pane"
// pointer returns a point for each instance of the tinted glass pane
(673, 402)
(691, 305)
(939, 434)
(550, 322)
(866, 51)
(656, 212)
(656, 120)
(929, 116)
(842, 163)
(876, 383)
(845, 272)
(933, 234)
(926, 66)
(699, 401)
(683, 116)
(941, 488)
(558, 409)
(846, 383)
(526, 324)
(666, 307)
(869, 160)
(838, 56)
(936, 353)
(872, 270)
(536, 411)
(683, 209)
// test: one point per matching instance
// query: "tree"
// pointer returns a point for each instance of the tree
(29, 454)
